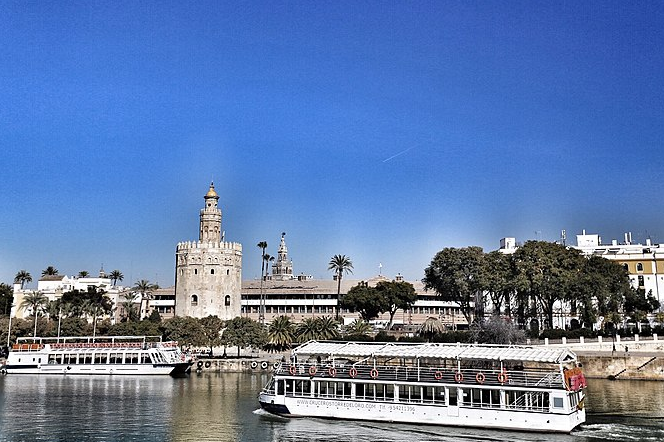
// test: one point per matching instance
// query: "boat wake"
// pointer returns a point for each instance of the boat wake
(620, 432)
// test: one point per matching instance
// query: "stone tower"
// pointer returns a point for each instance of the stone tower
(208, 272)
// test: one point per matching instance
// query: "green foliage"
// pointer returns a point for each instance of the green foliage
(396, 295)
(496, 331)
(365, 300)
(457, 275)
(430, 328)
(22, 277)
(6, 299)
(280, 334)
(382, 336)
(212, 327)
(186, 330)
(357, 328)
(244, 332)
(317, 329)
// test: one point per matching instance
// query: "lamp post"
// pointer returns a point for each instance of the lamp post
(9, 332)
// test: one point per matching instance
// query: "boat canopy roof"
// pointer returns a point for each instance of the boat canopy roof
(553, 355)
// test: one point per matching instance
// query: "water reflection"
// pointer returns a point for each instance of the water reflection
(216, 407)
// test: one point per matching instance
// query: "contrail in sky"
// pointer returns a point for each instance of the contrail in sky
(397, 154)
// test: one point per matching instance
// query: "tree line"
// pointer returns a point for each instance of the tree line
(535, 283)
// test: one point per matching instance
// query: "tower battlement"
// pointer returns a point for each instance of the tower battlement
(184, 246)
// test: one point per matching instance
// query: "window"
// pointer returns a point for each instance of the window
(211, 271)
(639, 266)
(557, 402)
(641, 282)
(227, 300)
(195, 271)
(194, 299)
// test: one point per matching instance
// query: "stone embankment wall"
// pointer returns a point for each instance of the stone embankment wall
(257, 365)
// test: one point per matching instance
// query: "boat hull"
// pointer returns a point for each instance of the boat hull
(457, 416)
(178, 369)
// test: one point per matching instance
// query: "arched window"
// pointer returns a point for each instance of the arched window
(211, 271)
(195, 271)
(194, 299)
(639, 267)
(228, 272)
(227, 300)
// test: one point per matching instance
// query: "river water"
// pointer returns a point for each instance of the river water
(224, 407)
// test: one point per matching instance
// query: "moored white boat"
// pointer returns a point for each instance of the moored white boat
(100, 355)
(506, 387)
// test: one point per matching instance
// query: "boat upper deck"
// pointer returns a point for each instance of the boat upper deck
(437, 351)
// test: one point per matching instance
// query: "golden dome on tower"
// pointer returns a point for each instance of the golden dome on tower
(211, 193)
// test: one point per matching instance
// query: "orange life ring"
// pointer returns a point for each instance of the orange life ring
(438, 375)
(312, 370)
(332, 371)
(352, 372)
(502, 377)
(480, 378)
(458, 376)
(374, 373)
(292, 369)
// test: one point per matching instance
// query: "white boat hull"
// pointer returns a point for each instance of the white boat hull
(496, 418)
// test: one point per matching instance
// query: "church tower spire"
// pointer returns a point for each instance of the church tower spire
(282, 270)
(210, 224)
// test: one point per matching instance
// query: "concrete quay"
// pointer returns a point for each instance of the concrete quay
(619, 358)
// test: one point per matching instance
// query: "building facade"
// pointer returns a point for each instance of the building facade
(208, 272)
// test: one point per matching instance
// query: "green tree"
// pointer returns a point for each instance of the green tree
(430, 328)
(396, 295)
(496, 331)
(340, 264)
(457, 275)
(638, 305)
(364, 300)
(97, 304)
(36, 302)
(116, 275)
(22, 277)
(212, 329)
(83, 274)
(328, 328)
(130, 311)
(499, 278)
(50, 270)
(244, 332)
(308, 330)
(546, 271)
(186, 330)
(144, 289)
(280, 334)
(358, 327)
(6, 298)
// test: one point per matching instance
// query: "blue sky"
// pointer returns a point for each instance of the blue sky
(384, 131)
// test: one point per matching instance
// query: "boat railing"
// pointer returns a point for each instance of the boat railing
(397, 373)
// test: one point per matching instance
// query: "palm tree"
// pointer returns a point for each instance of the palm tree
(116, 275)
(329, 328)
(308, 330)
(431, 327)
(50, 270)
(144, 288)
(22, 277)
(35, 301)
(358, 327)
(83, 274)
(261, 315)
(280, 334)
(340, 264)
(97, 304)
(128, 304)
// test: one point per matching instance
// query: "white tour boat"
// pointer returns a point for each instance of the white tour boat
(488, 386)
(100, 355)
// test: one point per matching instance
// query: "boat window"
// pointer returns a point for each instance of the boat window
(51, 358)
(280, 387)
(289, 387)
(557, 402)
(69, 358)
(452, 396)
(327, 389)
(303, 388)
(87, 358)
(527, 400)
(58, 359)
(116, 358)
(131, 358)
(101, 358)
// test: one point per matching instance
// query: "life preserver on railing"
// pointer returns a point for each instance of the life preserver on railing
(207, 364)
(292, 369)
(312, 370)
(374, 373)
(254, 364)
(458, 376)
(264, 365)
(275, 365)
(332, 371)
(352, 372)
(502, 377)
(480, 378)
(199, 364)
(438, 375)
